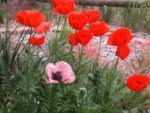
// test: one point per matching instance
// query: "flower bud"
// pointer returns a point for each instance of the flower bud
(83, 92)
(90, 76)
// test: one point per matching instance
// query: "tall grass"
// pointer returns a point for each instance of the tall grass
(136, 18)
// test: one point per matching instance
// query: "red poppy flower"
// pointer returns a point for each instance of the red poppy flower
(99, 28)
(72, 39)
(64, 6)
(30, 18)
(36, 41)
(84, 36)
(122, 51)
(137, 82)
(120, 37)
(43, 27)
(93, 15)
(77, 20)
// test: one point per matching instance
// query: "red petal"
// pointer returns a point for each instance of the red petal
(77, 20)
(122, 51)
(64, 7)
(99, 28)
(40, 40)
(57, 2)
(36, 41)
(72, 39)
(84, 36)
(43, 27)
(120, 37)
(32, 40)
(30, 18)
(93, 15)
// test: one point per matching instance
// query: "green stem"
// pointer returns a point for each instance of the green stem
(80, 53)
(59, 20)
(30, 37)
(53, 96)
(98, 54)
(51, 10)
(81, 105)
(7, 38)
(64, 26)
(71, 48)
(116, 64)
(110, 81)
(17, 48)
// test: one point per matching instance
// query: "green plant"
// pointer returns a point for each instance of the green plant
(134, 17)
(2, 12)
(107, 13)
(2, 1)
(130, 16)
(98, 88)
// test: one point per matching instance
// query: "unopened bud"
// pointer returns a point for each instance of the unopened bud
(90, 76)
(83, 91)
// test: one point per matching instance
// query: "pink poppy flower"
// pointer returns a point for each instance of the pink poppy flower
(60, 72)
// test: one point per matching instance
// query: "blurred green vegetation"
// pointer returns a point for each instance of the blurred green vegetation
(97, 89)
(3, 1)
(2, 13)
(138, 19)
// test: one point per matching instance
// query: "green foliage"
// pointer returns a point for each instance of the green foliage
(97, 89)
(135, 18)
(107, 13)
(3, 1)
(131, 16)
(2, 12)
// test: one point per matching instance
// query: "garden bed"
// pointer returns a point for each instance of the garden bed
(62, 64)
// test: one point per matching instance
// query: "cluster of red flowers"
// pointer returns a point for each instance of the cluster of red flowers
(137, 82)
(120, 38)
(34, 19)
(78, 21)
(87, 24)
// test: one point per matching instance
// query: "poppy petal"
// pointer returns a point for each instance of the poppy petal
(72, 39)
(120, 37)
(84, 36)
(93, 15)
(64, 6)
(49, 70)
(68, 75)
(29, 18)
(99, 28)
(36, 41)
(77, 20)
(122, 51)
(43, 27)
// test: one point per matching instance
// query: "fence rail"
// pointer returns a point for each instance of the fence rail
(111, 3)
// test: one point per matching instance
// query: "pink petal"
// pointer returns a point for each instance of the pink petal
(43, 27)
(49, 69)
(67, 73)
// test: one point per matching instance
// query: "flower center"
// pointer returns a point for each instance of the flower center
(57, 76)
(138, 82)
